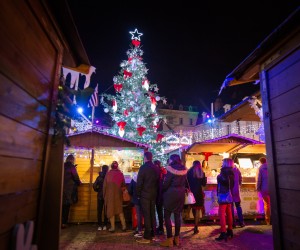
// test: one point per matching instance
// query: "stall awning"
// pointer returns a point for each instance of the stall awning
(228, 144)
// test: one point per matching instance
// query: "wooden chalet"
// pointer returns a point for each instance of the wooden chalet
(93, 149)
(276, 64)
(37, 38)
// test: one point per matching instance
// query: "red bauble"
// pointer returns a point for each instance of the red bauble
(136, 43)
(153, 100)
(121, 124)
(126, 112)
(140, 130)
(159, 137)
(118, 87)
(127, 74)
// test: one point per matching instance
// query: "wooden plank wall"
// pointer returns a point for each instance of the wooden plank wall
(79, 212)
(27, 71)
(284, 99)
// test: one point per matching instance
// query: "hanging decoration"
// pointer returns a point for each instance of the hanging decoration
(145, 84)
(153, 103)
(127, 74)
(118, 87)
(207, 154)
(114, 105)
(136, 43)
(141, 130)
(125, 112)
(121, 126)
(159, 137)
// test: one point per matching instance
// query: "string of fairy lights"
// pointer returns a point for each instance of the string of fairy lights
(181, 138)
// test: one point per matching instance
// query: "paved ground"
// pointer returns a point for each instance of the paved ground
(254, 236)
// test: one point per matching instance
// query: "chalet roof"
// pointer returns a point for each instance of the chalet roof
(91, 139)
(232, 143)
(248, 70)
(74, 47)
(241, 111)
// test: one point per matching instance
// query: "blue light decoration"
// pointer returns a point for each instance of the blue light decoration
(80, 110)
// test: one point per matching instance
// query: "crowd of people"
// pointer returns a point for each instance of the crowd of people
(158, 190)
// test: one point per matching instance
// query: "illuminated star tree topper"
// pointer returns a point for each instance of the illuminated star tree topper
(135, 35)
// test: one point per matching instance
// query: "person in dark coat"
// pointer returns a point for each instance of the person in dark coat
(137, 206)
(196, 180)
(71, 182)
(147, 186)
(159, 199)
(98, 187)
(173, 198)
(225, 183)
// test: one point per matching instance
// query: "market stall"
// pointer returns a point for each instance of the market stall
(92, 150)
(245, 153)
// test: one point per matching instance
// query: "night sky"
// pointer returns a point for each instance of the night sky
(189, 50)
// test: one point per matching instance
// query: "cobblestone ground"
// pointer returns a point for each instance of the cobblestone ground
(254, 236)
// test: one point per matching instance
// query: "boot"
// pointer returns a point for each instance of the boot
(229, 233)
(167, 243)
(223, 236)
(196, 230)
(176, 241)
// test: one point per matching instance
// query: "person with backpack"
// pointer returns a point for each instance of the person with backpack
(98, 187)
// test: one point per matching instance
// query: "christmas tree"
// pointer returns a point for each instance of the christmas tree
(133, 107)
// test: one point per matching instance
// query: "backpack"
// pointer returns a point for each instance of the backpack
(96, 185)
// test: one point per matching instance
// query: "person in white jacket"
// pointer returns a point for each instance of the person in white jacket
(263, 187)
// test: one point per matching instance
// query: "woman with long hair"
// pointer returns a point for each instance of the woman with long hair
(173, 198)
(112, 191)
(196, 180)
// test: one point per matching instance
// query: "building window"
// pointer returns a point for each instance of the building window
(170, 119)
(191, 121)
(180, 121)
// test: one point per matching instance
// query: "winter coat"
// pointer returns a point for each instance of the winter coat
(98, 185)
(262, 180)
(71, 181)
(159, 199)
(148, 181)
(174, 188)
(195, 186)
(132, 192)
(112, 192)
(223, 180)
(237, 183)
